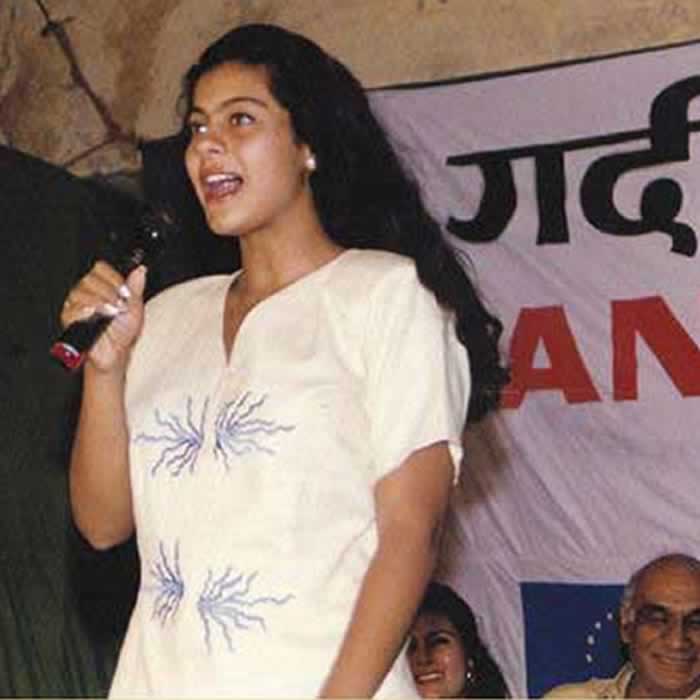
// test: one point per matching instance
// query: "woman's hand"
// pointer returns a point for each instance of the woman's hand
(103, 291)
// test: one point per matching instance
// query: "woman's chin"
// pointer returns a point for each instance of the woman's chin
(431, 690)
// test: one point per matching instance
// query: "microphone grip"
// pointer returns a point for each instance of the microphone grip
(152, 230)
(73, 345)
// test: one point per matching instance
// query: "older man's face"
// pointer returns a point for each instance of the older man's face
(662, 629)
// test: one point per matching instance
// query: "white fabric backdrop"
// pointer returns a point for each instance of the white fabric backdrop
(578, 481)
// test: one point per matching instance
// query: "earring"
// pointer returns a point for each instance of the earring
(311, 163)
(470, 676)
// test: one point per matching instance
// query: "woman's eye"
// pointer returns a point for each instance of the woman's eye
(241, 119)
(439, 640)
(196, 128)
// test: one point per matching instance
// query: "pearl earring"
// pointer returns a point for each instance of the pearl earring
(311, 163)
(470, 675)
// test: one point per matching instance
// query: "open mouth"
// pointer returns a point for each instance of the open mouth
(431, 677)
(220, 185)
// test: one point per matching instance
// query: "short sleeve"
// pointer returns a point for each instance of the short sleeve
(418, 378)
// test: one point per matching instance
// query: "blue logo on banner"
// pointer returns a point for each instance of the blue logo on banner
(571, 633)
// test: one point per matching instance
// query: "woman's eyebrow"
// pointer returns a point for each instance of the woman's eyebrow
(228, 103)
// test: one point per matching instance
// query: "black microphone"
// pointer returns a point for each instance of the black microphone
(152, 230)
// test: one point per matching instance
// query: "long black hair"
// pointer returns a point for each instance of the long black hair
(487, 680)
(364, 195)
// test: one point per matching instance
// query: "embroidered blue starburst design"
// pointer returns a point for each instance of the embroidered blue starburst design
(183, 440)
(227, 602)
(239, 431)
(169, 586)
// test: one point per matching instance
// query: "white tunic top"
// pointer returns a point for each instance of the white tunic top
(252, 478)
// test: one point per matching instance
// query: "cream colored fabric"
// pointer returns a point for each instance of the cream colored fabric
(252, 479)
(595, 687)
(615, 687)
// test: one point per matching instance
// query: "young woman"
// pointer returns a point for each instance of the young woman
(446, 654)
(283, 440)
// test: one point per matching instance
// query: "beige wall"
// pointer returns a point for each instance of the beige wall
(132, 53)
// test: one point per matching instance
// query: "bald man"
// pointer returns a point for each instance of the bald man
(660, 624)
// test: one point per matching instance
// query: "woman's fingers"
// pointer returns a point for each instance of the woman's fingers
(102, 290)
(103, 282)
(105, 292)
(135, 284)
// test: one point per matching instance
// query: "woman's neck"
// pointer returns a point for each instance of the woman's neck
(274, 263)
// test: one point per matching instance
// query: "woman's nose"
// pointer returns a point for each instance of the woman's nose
(421, 655)
(208, 143)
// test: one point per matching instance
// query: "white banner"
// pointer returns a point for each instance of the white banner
(574, 190)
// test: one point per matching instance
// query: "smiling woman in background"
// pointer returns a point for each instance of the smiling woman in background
(447, 657)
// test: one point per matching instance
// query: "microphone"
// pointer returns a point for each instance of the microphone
(152, 230)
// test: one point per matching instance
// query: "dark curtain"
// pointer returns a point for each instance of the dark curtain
(63, 607)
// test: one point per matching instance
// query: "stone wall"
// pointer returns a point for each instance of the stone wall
(82, 80)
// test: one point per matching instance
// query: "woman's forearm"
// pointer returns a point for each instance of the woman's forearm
(410, 503)
(390, 593)
(99, 471)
